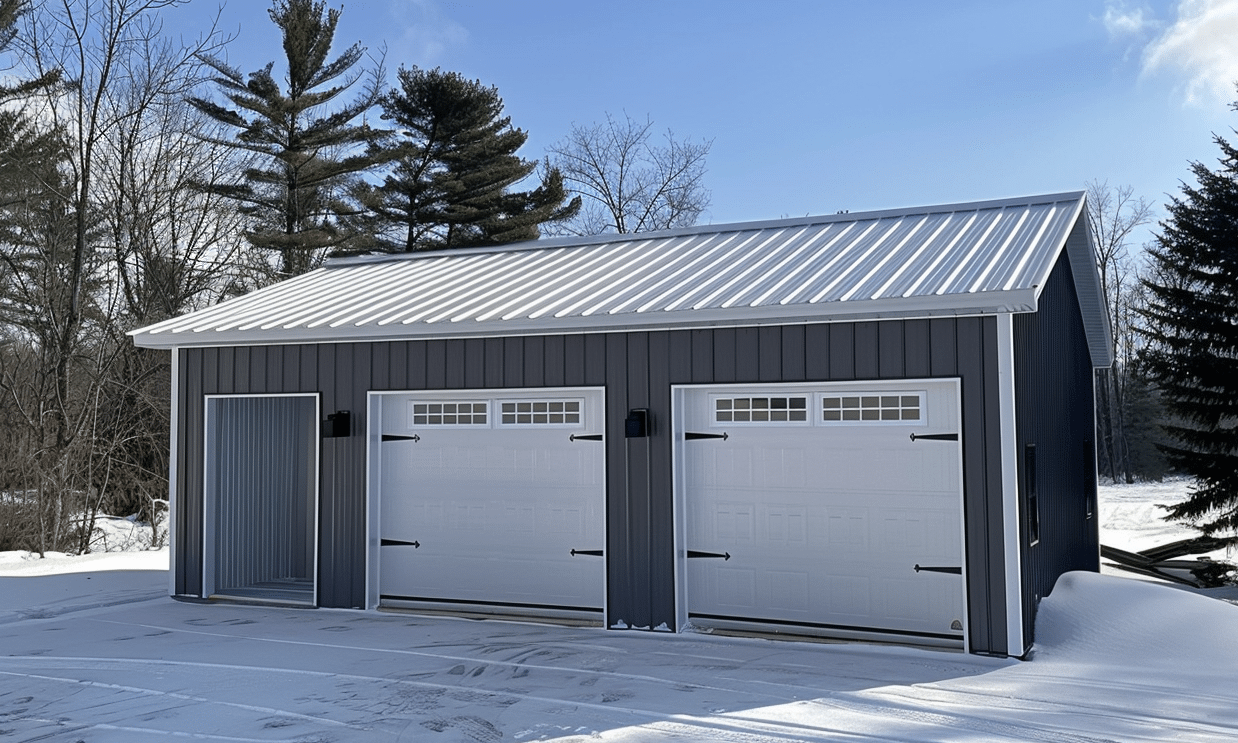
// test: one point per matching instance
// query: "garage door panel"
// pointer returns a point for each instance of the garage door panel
(495, 509)
(825, 521)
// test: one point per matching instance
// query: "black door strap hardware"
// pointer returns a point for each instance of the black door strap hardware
(695, 554)
(936, 436)
(951, 570)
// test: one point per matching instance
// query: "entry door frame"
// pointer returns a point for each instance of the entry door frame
(679, 485)
(208, 501)
(373, 462)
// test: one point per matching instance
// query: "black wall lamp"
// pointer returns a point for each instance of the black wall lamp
(636, 425)
(337, 425)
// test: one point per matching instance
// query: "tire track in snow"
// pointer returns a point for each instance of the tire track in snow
(515, 665)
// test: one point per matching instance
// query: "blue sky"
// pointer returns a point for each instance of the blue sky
(815, 107)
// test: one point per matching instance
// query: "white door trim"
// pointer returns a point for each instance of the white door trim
(208, 505)
(679, 417)
(373, 500)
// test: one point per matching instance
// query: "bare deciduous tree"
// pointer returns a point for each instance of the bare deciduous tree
(103, 236)
(628, 182)
(1114, 214)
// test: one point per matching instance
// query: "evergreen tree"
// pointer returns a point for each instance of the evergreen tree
(309, 152)
(1192, 329)
(455, 163)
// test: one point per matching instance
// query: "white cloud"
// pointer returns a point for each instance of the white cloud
(1203, 45)
(428, 32)
(1122, 21)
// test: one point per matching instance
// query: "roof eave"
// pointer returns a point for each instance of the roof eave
(946, 305)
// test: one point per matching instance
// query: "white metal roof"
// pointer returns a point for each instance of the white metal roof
(960, 259)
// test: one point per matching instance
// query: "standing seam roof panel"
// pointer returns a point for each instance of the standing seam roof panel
(954, 259)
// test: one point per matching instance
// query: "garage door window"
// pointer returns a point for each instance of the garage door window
(463, 413)
(760, 409)
(875, 408)
(541, 412)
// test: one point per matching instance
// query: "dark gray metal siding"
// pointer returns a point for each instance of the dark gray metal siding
(637, 370)
(1054, 411)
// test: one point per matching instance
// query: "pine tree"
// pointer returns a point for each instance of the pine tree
(309, 153)
(455, 163)
(1192, 329)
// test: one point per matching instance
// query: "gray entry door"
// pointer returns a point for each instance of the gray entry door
(811, 509)
(493, 502)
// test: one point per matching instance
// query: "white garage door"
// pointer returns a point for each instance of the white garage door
(492, 502)
(811, 508)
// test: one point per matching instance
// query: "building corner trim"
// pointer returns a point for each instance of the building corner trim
(1008, 435)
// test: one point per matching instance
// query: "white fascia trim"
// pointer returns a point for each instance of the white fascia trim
(952, 305)
(174, 428)
(1008, 436)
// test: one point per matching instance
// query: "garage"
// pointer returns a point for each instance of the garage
(824, 509)
(705, 427)
(490, 501)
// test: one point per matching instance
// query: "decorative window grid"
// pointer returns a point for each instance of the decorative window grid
(460, 413)
(789, 409)
(872, 408)
(540, 412)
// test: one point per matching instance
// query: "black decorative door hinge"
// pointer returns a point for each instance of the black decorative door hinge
(693, 554)
(950, 570)
(692, 436)
(935, 436)
(592, 553)
(396, 437)
(397, 543)
(585, 437)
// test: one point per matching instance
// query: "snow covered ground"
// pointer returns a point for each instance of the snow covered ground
(103, 655)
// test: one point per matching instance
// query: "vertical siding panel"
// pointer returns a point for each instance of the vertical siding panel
(817, 357)
(596, 362)
(944, 358)
(436, 364)
(661, 504)
(513, 362)
(382, 365)
(725, 369)
(640, 497)
(704, 369)
(534, 361)
(982, 484)
(916, 348)
(242, 373)
(792, 343)
(309, 368)
(842, 351)
(290, 374)
(416, 369)
(747, 354)
(891, 364)
(189, 511)
(867, 350)
(397, 366)
(474, 363)
(619, 567)
(224, 382)
(495, 363)
(553, 372)
(574, 360)
(679, 358)
(453, 364)
(769, 357)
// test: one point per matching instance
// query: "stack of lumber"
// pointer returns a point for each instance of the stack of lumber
(1166, 562)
